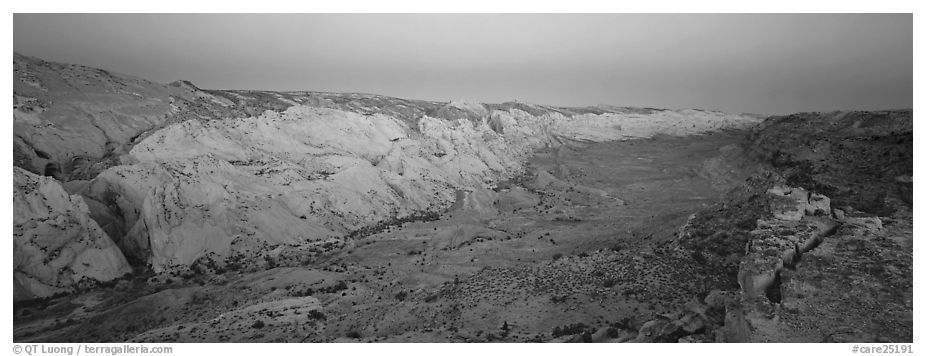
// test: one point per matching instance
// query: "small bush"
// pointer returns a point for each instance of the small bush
(257, 324)
(570, 329)
(317, 315)
(400, 296)
(302, 293)
(608, 283)
(353, 334)
(557, 256)
(341, 285)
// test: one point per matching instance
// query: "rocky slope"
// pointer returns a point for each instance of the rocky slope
(820, 243)
(69, 118)
(298, 175)
(309, 174)
(55, 243)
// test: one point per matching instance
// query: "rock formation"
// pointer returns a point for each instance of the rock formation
(69, 118)
(55, 243)
(311, 174)
(817, 257)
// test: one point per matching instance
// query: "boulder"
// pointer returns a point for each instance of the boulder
(818, 205)
(659, 330)
(735, 327)
(788, 203)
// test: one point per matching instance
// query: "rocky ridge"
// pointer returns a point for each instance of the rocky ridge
(809, 268)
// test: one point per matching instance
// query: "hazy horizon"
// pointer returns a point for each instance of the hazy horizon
(758, 63)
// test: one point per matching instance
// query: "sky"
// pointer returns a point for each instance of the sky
(756, 63)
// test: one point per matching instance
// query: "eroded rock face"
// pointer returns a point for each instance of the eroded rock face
(610, 126)
(55, 243)
(311, 174)
(67, 118)
(305, 175)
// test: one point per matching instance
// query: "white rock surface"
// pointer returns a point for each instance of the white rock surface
(311, 174)
(63, 114)
(55, 243)
(792, 204)
(612, 126)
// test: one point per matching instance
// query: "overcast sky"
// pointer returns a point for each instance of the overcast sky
(736, 63)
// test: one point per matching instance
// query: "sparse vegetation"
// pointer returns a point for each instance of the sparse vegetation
(317, 315)
(570, 329)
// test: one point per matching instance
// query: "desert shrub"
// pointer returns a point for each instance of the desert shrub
(608, 282)
(199, 298)
(317, 315)
(257, 324)
(301, 293)
(570, 329)
(341, 285)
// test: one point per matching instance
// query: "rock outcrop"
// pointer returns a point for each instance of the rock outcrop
(779, 241)
(311, 174)
(817, 260)
(305, 175)
(55, 243)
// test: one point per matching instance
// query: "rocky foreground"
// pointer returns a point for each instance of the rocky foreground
(265, 216)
